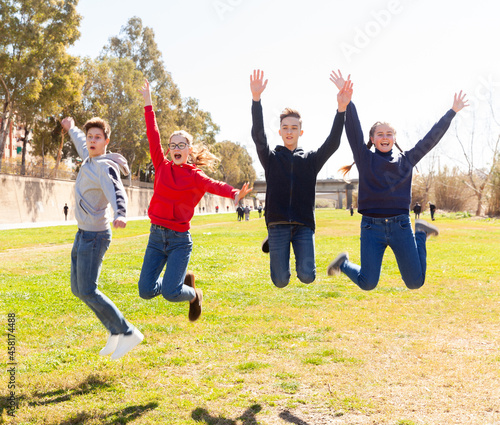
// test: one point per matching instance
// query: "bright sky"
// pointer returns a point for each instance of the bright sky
(406, 58)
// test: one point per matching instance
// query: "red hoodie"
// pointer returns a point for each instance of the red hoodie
(177, 188)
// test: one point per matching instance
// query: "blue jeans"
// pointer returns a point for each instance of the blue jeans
(302, 240)
(86, 261)
(376, 235)
(172, 248)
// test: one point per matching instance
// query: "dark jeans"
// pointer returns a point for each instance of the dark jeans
(409, 249)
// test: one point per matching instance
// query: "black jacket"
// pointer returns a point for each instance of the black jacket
(291, 175)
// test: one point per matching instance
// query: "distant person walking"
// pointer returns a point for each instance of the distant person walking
(351, 209)
(65, 210)
(247, 213)
(432, 208)
(417, 209)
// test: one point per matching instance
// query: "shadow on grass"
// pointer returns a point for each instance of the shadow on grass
(287, 416)
(247, 418)
(91, 384)
(124, 416)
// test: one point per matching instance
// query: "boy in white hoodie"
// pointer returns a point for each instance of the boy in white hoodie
(98, 184)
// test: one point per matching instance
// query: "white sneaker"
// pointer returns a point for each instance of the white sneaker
(110, 345)
(126, 343)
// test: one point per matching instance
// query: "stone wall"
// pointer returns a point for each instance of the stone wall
(30, 199)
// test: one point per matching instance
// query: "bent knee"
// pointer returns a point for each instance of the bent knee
(280, 283)
(368, 286)
(306, 278)
(415, 284)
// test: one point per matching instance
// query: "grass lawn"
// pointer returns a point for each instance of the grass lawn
(323, 353)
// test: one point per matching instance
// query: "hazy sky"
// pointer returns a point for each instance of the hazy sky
(406, 58)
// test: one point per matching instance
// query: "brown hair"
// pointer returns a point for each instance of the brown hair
(200, 155)
(346, 168)
(289, 112)
(98, 123)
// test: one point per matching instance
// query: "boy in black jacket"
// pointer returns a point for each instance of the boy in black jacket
(291, 185)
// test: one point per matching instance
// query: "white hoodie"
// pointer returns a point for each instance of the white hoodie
(98, 184)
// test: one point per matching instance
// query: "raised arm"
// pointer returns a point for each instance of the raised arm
(257, 84)
(332, 142)
(77, 136)
(152, 131)
(145, 90)
(431, 139)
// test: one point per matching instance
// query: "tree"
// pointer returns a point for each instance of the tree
(235, 166)
(479, 179)
(451, 193)
(138, 44)
(39, 76)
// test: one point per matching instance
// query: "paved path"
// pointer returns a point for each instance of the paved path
(6, 226)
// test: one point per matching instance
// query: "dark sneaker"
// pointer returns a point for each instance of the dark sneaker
(195, 306)
(333, 268)
(427, 228)
(265, 245)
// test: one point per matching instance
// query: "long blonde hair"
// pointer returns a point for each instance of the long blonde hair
(200, 155)
(346, 168)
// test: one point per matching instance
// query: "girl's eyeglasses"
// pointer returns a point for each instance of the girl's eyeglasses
(180, 145)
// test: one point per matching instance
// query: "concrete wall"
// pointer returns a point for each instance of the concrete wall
(30, 199)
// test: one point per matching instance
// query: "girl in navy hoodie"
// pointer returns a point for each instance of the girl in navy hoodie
(384, 198)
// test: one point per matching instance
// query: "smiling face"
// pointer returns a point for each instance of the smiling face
(96, 141)
(179, 156)
(383, 137)
(290, 131)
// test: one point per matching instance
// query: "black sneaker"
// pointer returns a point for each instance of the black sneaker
(265, 245)
(427, 228)
(333, 268)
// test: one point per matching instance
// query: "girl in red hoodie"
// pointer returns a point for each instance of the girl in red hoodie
(179, 186)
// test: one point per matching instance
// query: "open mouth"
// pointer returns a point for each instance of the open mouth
(177, 156)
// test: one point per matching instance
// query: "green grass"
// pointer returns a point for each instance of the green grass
(327, 352)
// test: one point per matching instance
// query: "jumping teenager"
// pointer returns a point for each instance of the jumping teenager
(179, 186)
(384, 198)
(98, 184)
(291, 174)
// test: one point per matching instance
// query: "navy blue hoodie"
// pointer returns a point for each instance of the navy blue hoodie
(291, 175)
(385, 178)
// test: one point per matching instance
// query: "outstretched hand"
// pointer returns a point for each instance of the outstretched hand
(338, 80)
(344, 96)
(244, 191)
(145, 90)
(68, 123)
(459, 102)
(257, 84)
